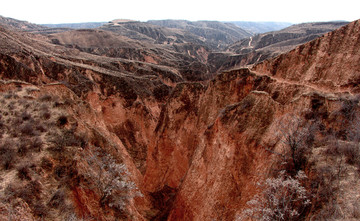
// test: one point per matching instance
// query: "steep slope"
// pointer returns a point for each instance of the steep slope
(56, 91)
(127, 139)
(190, 60)
(184, 45)
(216, 34)
(214, 156)
(20, 25)
(329, 63)
(88, 38)
(261, 27)
(39, 45)
(295, 34)
(267, 45)
(150, 33)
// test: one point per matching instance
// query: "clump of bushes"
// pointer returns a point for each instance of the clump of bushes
(337, 135)
(25, 127)
(46, 164)
(45, 98)
(7, 155)
(23, 172)
(62, 120)
(281, 198)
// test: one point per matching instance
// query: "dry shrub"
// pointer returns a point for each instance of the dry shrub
(323, 185)
(23, 172)
(64, 139)
(8, 95)
(348, 149)
(331, 211)
(41, 128)
(46, 98)
(46, 115)
(46, 164)
(30, 193)
(57, 199)
(40, 210)
(60, 172)
(351, 153)
(11, 105)
(35, 144)
(17, 122)
(62, 121)
(11, 191)
(23, 146)
(44, 107)
(356, 210)
(332, 150)
(14, 133)
(25, 116)
(27, 129)
(280, 198)
(66, 170)
(7, 155)
(2, 128)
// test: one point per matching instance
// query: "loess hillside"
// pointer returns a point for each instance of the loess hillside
(135, 121)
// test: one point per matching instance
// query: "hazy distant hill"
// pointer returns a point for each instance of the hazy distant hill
(76, 25)
(267, 45)
(18, 24)
(197, 49)
(261, 27)
(213, 32)
(209, 25)
(285, 38)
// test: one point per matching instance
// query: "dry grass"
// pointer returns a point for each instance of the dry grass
(336, 170)
(29, 128)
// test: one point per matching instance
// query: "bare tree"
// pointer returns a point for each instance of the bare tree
(112, 179)
(297, 137)
(281, 198)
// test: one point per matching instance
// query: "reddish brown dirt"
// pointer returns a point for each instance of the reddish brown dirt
(195, 151)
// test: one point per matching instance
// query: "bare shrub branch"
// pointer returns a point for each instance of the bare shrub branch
(281, 198)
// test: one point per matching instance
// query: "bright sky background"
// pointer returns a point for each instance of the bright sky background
(72, 11)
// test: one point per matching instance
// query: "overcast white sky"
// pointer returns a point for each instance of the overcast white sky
(72, 11)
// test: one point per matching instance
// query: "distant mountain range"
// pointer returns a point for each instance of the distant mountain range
(84, 25)
(249, 26)
(197, 50)
(261, 27)
(263, 46)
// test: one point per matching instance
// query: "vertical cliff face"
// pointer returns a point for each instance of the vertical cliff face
(224, 167)
(214, 167)
(236, 122)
